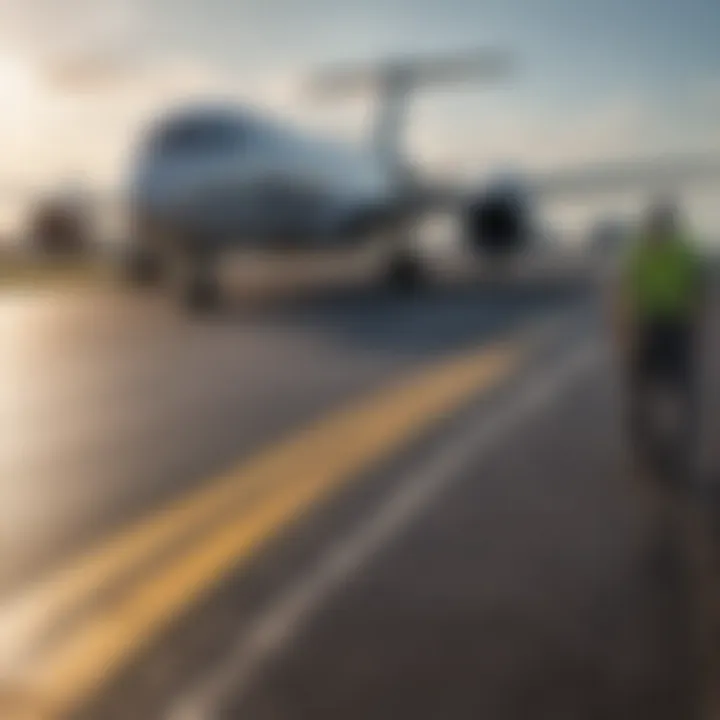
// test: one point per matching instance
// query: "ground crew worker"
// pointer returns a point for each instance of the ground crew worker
(662, 298)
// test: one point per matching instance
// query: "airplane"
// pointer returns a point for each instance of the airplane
(209, 178)
(213, 177)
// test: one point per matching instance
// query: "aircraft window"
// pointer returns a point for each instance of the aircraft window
(192, 137)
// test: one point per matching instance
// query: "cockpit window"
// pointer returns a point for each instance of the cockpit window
(197, 136)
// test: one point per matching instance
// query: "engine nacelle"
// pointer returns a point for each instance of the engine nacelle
(498, 220)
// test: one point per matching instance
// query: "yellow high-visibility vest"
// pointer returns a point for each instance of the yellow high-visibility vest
(663, 280)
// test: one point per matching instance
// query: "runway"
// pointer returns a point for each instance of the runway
(441, 523)
(116, 401)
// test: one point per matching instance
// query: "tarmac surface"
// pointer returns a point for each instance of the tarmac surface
(492, 556)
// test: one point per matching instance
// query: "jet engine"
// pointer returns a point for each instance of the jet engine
(498, 219)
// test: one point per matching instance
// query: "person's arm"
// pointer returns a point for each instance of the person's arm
(702, 290)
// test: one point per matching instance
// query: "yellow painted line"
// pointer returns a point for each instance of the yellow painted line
(27, 620)
(19, 274)
(294, 475)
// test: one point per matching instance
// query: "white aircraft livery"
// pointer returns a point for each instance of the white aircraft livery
(212, 177)
(228, 173)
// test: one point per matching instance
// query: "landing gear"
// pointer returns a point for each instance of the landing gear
(201, 292)
(185, 264)
(143, 268)
(196, 281)
(405, 273)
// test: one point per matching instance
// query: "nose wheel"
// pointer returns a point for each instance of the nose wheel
(405, 273)
(201, 293)
(196, 279)
(142, 268)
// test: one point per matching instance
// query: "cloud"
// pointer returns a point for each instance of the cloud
(615, 128)
(37, 26)
(75, 45)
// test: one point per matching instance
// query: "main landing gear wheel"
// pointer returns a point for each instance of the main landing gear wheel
(405, 273)
(197, 282)
(143, 269)
(201, 293)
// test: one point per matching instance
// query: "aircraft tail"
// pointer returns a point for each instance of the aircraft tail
(393, 82)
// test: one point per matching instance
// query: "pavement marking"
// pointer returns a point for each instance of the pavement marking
(28, 274)
(275, 628)
(113, 627)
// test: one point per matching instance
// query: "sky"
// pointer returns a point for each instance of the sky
(593, 79)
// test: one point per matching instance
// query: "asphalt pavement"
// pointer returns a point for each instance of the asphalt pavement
(114, 402)
(494, 561)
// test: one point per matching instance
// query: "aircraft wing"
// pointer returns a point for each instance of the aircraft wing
(411, 71)
(666, 174)
(661, 174)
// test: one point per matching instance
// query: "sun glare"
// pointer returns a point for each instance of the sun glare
(17, 81)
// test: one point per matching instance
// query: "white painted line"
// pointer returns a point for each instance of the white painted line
(275, 628)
